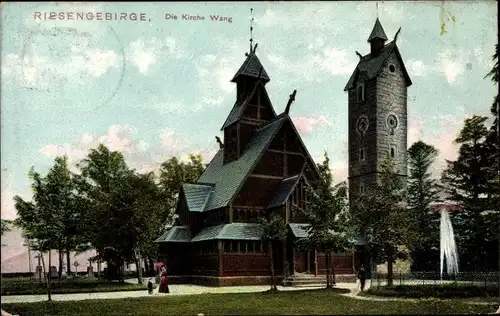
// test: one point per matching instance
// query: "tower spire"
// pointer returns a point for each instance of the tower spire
(251, 30)
(377, 9)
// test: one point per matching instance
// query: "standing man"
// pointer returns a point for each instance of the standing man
(362, 277)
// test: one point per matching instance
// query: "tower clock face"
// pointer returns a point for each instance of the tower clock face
(392, 121)
(362, 124)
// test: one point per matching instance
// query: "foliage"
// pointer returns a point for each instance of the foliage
(173, 173)
(315, 302)
(326, 210)
(274, 231)
(5, 226)
(382, 216)
(422, 191)
(471, 182)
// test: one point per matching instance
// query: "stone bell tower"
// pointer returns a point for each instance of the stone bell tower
(377, 101)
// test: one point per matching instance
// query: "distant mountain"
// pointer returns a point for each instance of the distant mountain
(15, 255)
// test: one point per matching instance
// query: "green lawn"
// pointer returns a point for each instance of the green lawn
(25, 286)
(437, 291)
(319, 302)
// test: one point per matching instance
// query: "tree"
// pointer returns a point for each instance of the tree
(326, 211)
(423, 190)
(381, 215)
(274, 230)
(469, 181)
(103, 173)
(5, 226)
(173, 173)
(41, 219)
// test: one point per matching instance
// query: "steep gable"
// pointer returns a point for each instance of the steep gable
(229, 177)
(369, 67)
(245, 109)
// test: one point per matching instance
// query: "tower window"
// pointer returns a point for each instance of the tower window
(393, 152)
(392, 68)
(361, 187)
(361, 93)
(362, 154)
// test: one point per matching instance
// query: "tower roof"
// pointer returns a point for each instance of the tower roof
(377, 32)
(251, 68)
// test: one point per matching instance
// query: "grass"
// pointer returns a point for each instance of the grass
(437, 291)
(318, 302)
(25, 286)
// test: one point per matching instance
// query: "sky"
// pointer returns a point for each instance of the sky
(161, 87)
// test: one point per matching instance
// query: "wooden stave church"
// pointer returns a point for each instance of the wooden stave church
(262, 166)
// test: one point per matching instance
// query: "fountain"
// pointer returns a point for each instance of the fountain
(447, 245)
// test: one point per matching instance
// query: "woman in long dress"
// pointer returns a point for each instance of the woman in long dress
(164, 281)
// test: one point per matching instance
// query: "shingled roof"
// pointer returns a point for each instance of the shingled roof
(197, 195)
(377, 32)
(240, 106)
(251, 67)
(228, 177)
(233, 231)
(176, 234)
(369, 67)
(284, 190)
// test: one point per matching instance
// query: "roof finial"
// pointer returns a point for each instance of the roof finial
(397, 33)
(292, 98)
(251, 30)
(377, 9)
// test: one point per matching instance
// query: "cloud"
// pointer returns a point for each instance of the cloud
(311, 67)
(442, 138)
(56, 58)
(118, 138)
(305, 125)
(215, 71)
(416, 68)
(451, 64)
(137, 153)
(147, 52)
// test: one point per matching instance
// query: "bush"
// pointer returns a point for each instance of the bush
(440, 291)
(23, 286)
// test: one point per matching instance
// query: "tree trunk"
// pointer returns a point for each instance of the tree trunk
(47, 275)
(333, 270)
(271, 256)
(138, 264)
(389, 270)
(139, 275)
(327, 261)
(61, 263)
(68, 262)
(151, 266)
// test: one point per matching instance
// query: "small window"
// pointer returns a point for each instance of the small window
(392, 68)
(362, 187)
(361, 93)
(393, 152)
(362, 154)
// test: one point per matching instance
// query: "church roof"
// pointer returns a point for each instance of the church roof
(302, 231)
(197, 195)
(251, 67)
(369, 67)
(240, 106)
(176, 234)
(377, 32)
(233, 231)
(228, 177)
(284, 190)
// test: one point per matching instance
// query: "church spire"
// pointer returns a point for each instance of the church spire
(251, 30)
(377, 39)
(377, 32)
